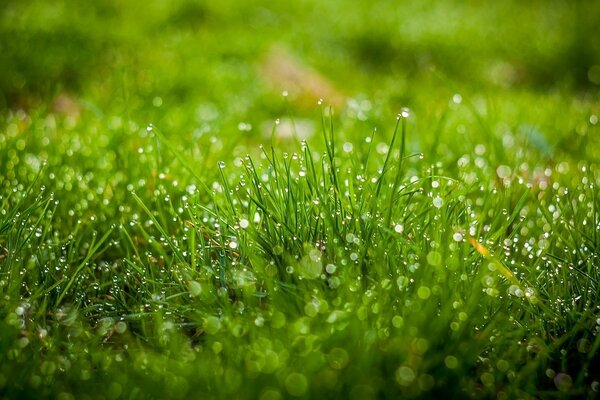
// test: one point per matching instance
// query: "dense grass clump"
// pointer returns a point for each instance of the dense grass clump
(182, 216)
(359, 270)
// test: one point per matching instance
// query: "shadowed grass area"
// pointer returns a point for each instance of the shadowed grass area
(181, 216)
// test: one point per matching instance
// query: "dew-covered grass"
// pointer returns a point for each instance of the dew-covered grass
(269, 200)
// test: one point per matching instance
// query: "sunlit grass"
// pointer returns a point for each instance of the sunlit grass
(357, 269)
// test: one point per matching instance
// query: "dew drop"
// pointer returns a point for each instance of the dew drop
(503, 171)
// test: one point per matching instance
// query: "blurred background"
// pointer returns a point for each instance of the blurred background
(172, 60)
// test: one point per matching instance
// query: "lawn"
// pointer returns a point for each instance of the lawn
(269, 200)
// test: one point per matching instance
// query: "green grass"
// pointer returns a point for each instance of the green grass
(172, 226)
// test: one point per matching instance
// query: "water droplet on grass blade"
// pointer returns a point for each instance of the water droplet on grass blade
(503, 171)
(397, 321)
(212, 325)
(244, 127)
(296, 384)
(487, 379)
(338, 358)
(563, 382)
(405, 375)
(451, 362)
(434, 258)
(402, 282)
(259, 321)
(424, 292)
(311, 309)
(457, 237)
(120, 327)
(404, 113)
(195, 288)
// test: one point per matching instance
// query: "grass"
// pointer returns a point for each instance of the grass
(173, 226)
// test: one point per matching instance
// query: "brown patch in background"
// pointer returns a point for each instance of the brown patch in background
(65, 105)
(283, 71)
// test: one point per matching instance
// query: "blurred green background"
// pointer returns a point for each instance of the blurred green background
(179, 53)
